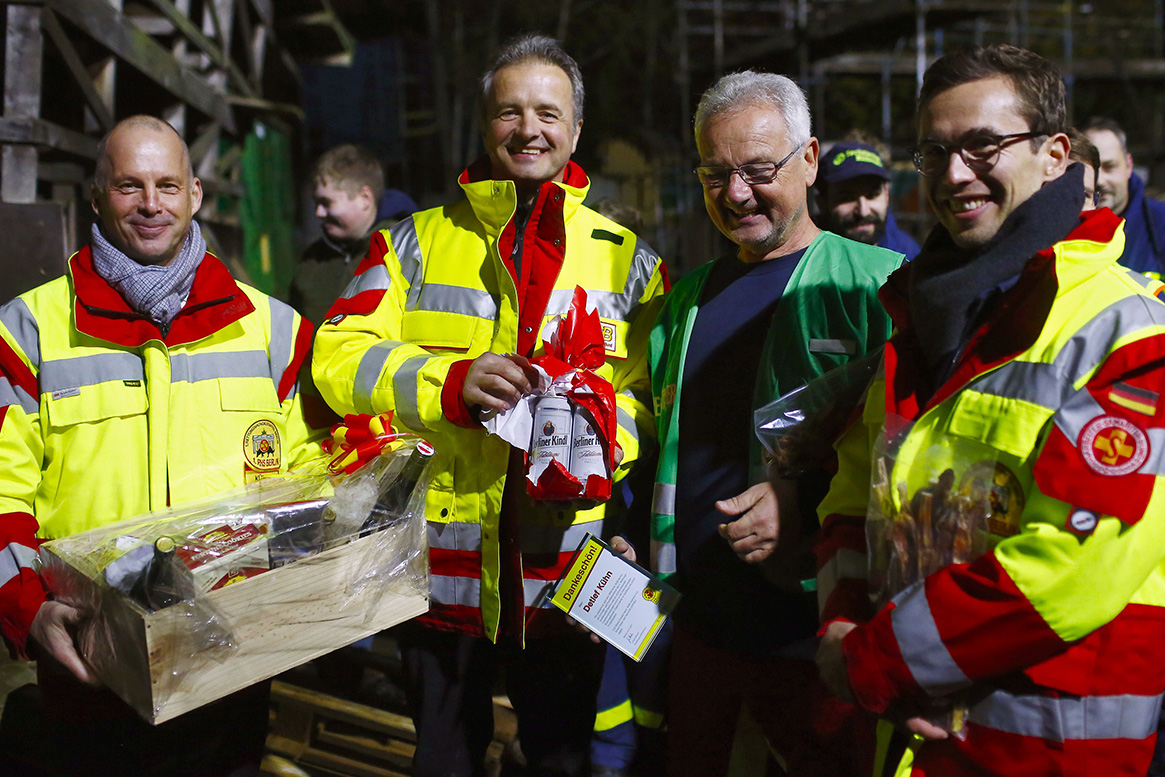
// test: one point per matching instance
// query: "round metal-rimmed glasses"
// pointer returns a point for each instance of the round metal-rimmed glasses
(753, 174)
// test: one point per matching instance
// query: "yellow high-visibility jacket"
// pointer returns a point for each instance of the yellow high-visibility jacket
(1054, 422)
(104, 417)
(433, 294)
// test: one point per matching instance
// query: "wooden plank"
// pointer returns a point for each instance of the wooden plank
(112, 30)
(78, 70)
(265, 11)
(38, 230)
(343, 710)
(191, 32)
(23, 64)
(38, 132)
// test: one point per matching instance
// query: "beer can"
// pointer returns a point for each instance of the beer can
(586, 449)
(552, 429)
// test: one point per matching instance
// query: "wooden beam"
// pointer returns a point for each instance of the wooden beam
(111, 29)
(23, 64)
(191, 32)
(80, 73)
(38, 132)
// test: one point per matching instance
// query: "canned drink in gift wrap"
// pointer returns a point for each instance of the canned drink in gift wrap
(586, 450)
(552, 428)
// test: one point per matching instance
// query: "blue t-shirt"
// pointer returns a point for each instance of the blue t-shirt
(727, 602)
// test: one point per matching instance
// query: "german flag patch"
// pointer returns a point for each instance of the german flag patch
(1138, 400)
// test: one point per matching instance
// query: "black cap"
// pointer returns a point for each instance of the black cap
(849, 160)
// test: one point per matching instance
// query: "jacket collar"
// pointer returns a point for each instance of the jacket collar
(100, 311)
(494, 202)
(1015, 323)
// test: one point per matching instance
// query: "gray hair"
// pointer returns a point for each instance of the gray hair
(101, 174)
(737, 91)
(536, 48)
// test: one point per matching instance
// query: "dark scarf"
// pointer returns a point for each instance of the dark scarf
(156, 291)
(953, 289)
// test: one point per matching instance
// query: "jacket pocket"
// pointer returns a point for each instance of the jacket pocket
(1009, 425)
(92, 404)
(437, 331)
(255, 395)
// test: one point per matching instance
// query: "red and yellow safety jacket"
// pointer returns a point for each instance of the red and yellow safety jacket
(1054, 637)
(436, 291)
(102, 417)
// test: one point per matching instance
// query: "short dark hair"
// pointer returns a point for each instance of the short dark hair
(1105, 124)
(1082, 149)
(536, 48)
(350, 167)
(1036, 81)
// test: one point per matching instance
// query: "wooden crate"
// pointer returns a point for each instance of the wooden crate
(277, 620)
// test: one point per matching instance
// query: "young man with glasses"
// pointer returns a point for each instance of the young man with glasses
(790, 303)
(1020, 396)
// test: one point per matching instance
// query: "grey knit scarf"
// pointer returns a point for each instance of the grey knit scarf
(156, 291)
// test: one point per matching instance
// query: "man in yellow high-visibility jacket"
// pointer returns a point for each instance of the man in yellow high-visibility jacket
(143, 378)
(438, 326)
(1019, 409)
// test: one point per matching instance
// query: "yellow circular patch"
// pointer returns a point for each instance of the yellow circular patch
(651, 594)
(262, 447)
(1001, 488)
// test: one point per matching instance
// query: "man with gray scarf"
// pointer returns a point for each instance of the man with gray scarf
(133, 383)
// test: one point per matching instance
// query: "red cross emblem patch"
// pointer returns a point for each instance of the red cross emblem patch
(1113, 446)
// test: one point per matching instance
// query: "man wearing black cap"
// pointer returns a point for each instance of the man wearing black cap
(854, 195)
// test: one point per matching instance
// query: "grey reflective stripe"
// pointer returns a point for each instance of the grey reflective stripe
(454, 536)
(15, 395)
(13, 558)
(441, 298)
(845, 564)
(91, 370)
(542, 538)
(1077, 411)
(404, 387)
(19, 321)
(1089, 346)
(663, 557)
(1155, 464)
(282, 340)
(1064, 718)
(1049, 385)
(375, 278)
(921, 646)
(641, 271)
(663, 501)
(537, 592)
(1144, 281)
(464, 591)
(193, 367)
(408, 253)
(843, 347)
(612, 305)
(368, 374)
(1035, 382)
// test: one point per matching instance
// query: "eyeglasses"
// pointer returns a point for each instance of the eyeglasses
(753, 174)
(979, 152)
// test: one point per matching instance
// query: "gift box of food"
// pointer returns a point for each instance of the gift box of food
(187, 605)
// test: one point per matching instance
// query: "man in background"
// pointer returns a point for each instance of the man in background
(1123, 192)
(1084, 152)
(853, 190)
(348, 196)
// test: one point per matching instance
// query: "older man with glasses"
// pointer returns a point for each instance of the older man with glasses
(788, 304)
(1018, 414)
